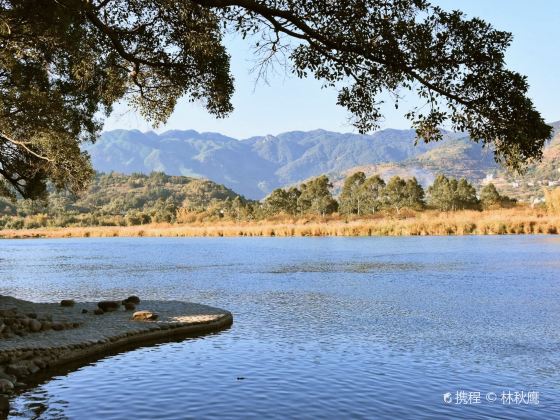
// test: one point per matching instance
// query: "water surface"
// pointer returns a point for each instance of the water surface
(324, 327)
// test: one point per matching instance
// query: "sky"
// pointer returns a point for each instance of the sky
(287, 103)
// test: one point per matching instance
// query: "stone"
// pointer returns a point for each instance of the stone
(129, 306)
(144, 316)
(40, 362)
(35, 326)
(109, 305)
(132, 299)
(22, 368)
(57, 326)
(98, 311)
(84, 311)
(6, 386)
(4, 375)
(45, 317)
(46, 325)
(32, 315)
(67, 302)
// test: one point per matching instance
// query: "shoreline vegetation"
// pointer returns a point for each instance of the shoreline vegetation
(518, 220)
(159, 205)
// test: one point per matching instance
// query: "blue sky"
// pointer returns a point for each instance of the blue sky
(288, 103)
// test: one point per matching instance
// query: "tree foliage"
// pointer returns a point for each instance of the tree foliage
(450, 194)
(490, 198)
(374, 189)
(366, 47)
(65, 63)
(283, 201)
(353, 197)
(316, 196)
(400, 193)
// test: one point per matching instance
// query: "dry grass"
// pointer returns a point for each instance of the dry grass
(495, 222)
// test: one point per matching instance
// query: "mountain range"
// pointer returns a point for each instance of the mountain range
(257, 165)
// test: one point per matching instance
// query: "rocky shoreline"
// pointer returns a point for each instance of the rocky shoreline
(37, 336)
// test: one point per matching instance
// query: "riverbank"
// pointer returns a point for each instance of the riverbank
(41, 336)
(494, 222)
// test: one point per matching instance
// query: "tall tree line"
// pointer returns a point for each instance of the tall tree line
(362, 195)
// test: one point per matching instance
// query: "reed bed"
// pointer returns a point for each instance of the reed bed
(495, 222)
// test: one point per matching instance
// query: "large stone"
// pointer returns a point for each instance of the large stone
(4, 375)
(132, 299)
(67, 302)
(144, 316)
(129, 306)
(35, 325)
(57, 326)
(98, 311)
(6, 386)
(109, 305)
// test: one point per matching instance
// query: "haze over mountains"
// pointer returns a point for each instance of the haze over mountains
(255, 166)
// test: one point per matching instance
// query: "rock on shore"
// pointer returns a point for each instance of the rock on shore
(36, 336)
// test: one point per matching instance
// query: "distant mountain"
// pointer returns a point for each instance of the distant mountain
(458, 157)
(255, 166)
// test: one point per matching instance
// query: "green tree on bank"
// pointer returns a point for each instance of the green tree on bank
(401, 194)
(374, 189)
(450, 194)
(490, 198)
(313, 196)
(316, 197)
(354, 196)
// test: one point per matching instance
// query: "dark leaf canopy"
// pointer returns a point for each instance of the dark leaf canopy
(64, 63)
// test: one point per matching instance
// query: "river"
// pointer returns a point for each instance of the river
(408, 327)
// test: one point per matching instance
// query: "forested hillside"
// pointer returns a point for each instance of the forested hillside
(115, 198)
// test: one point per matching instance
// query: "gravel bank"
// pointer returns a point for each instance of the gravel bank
(26, 353)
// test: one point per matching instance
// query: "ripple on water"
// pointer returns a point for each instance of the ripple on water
(330, 327)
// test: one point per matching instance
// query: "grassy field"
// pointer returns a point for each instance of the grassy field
(495, 222)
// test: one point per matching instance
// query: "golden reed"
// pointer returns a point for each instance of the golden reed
(491, 222)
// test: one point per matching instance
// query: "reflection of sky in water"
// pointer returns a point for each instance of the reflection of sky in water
(362, 327)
